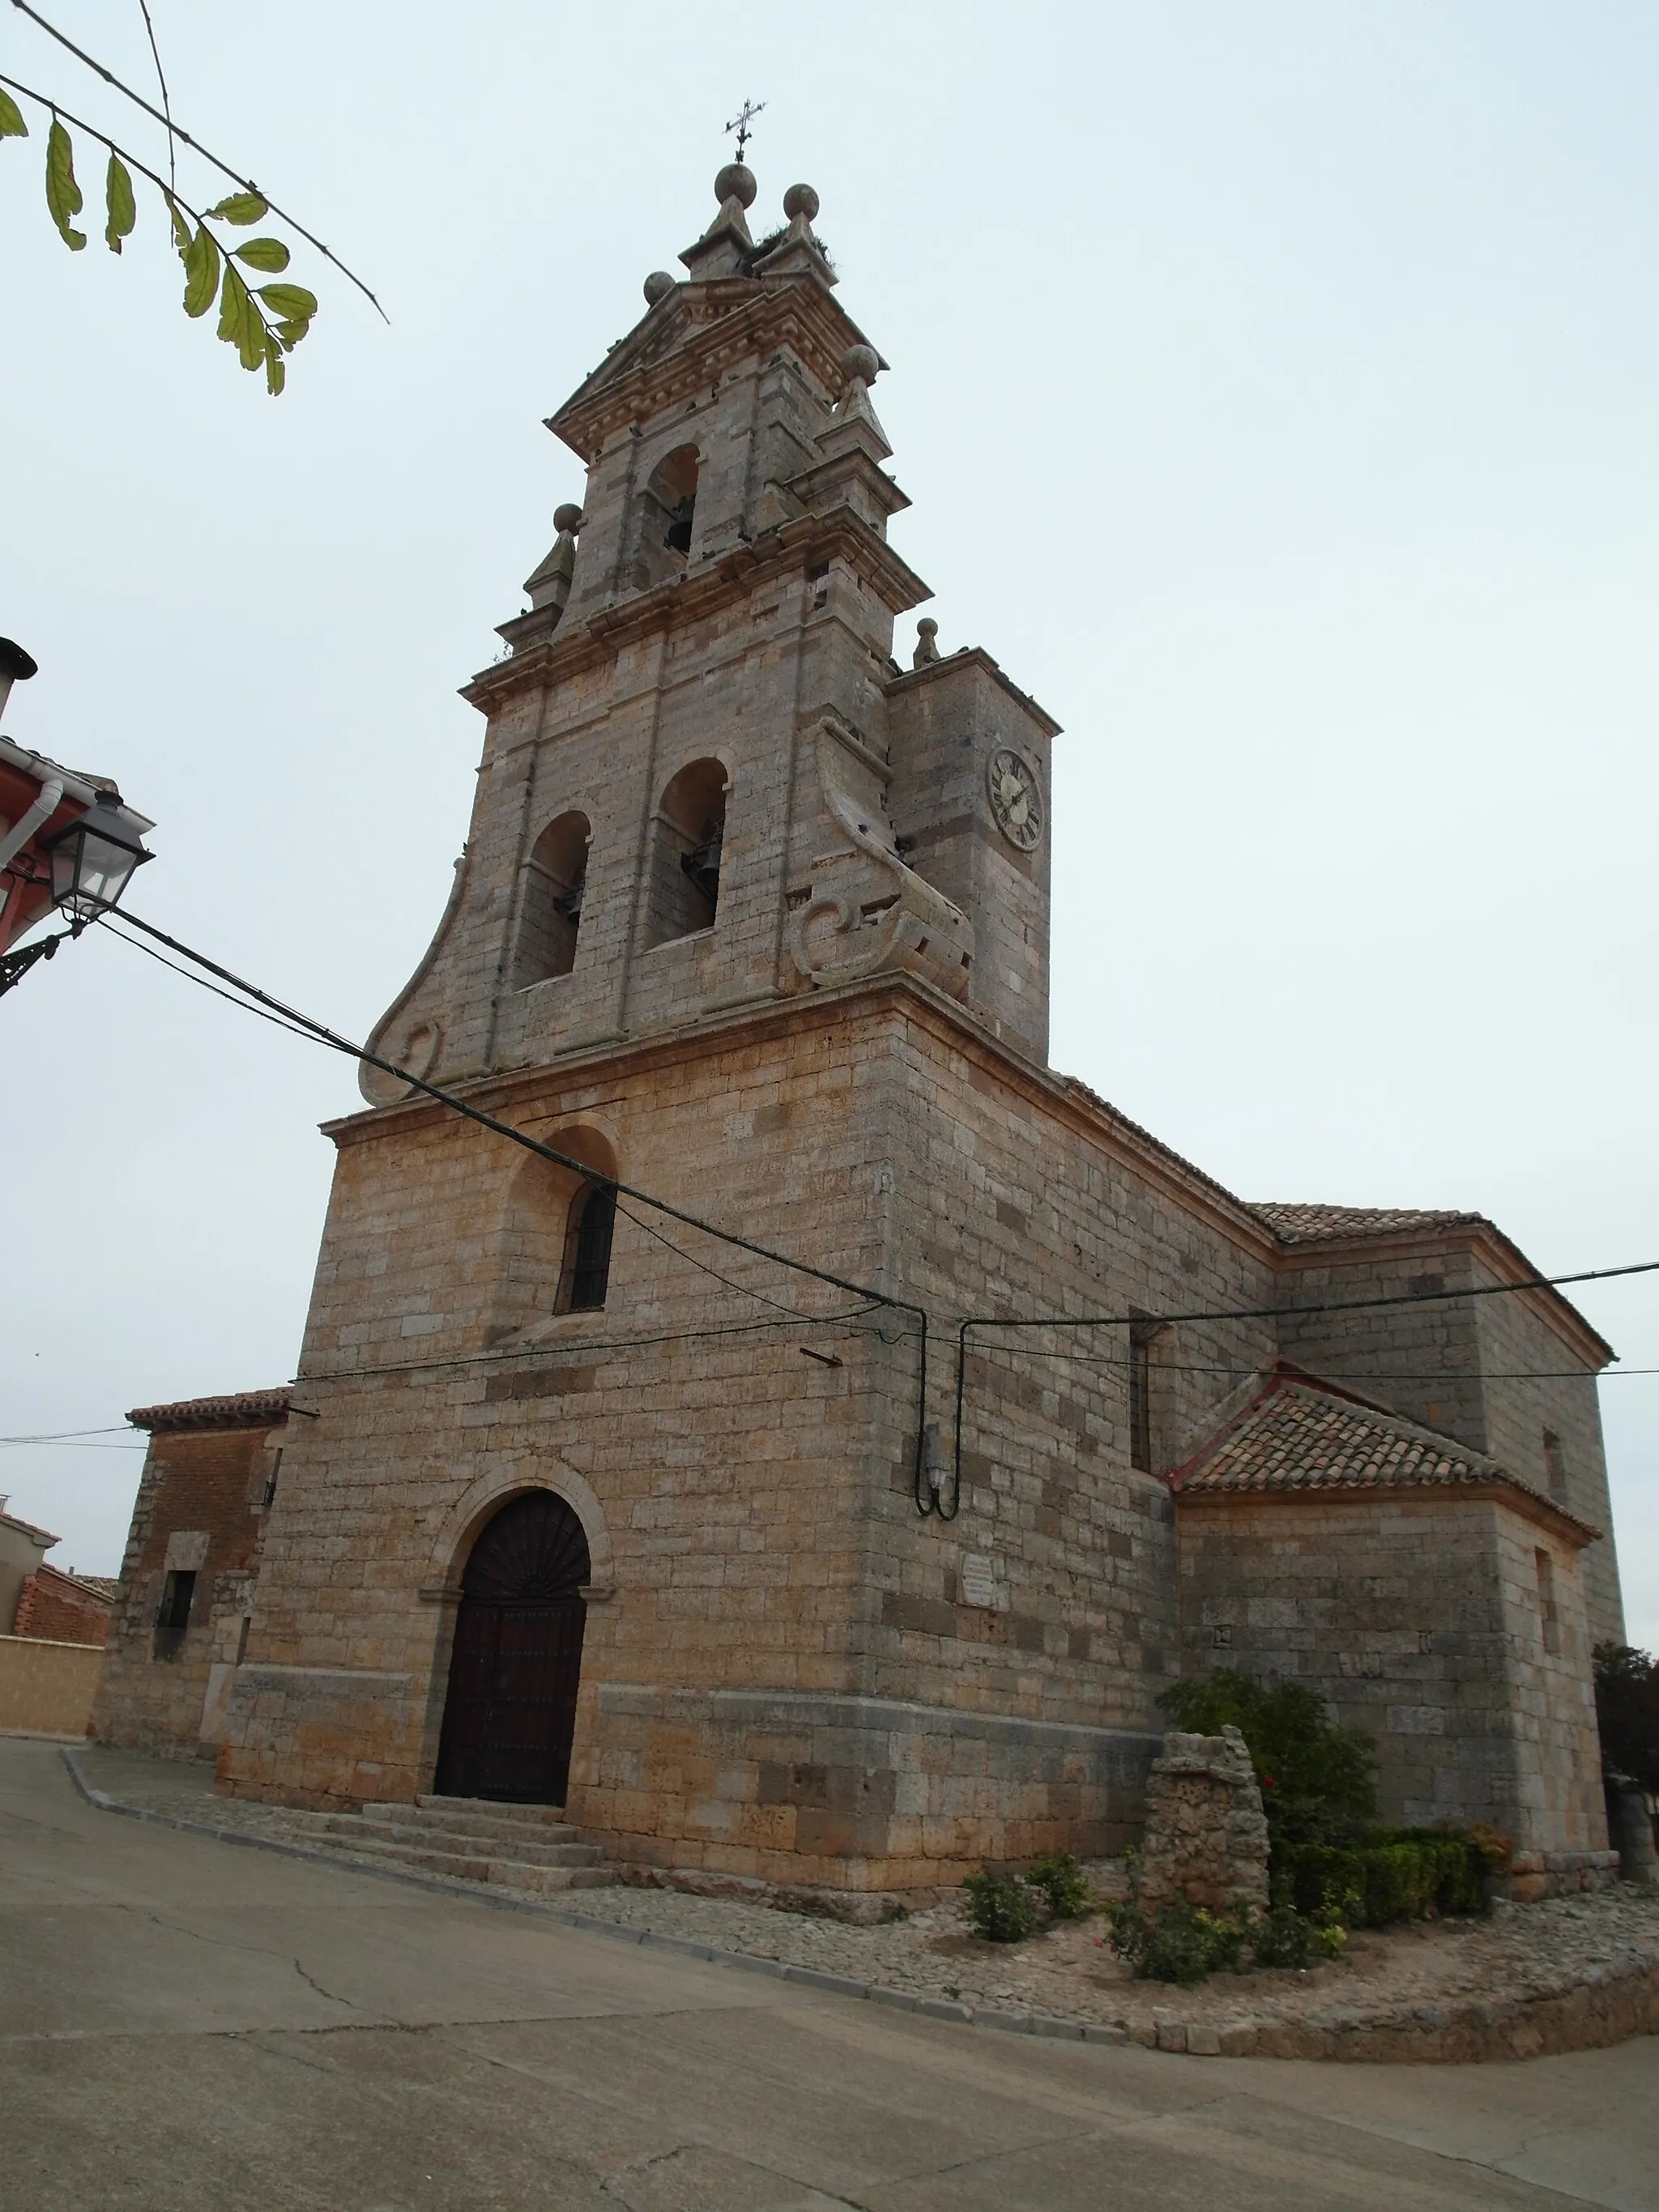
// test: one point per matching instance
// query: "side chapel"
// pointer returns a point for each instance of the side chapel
(572, 1503)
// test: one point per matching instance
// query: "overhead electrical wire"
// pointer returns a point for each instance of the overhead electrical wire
(289, 1016)
(929, 1496)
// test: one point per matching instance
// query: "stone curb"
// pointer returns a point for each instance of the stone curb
(1604, 2009)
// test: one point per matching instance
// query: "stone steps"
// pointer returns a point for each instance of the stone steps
(358, 1830)
(524, 1847)
(492, 1809)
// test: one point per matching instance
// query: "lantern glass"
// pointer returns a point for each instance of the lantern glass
(93, 860)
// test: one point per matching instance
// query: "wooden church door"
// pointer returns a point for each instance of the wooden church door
(510, 1713)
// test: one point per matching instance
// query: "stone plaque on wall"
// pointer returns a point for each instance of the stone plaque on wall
(979, 1581)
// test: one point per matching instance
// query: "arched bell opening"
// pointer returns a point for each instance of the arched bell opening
(516, 1663)
(663, 522)
(550, 906)
(685, 865)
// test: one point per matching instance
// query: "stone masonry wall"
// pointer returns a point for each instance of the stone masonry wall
(1552, 1708)
(1206, 1833)
(1516, 1342)
(199, 1505)
(1496, 1373)
(1417, 1617)
(750, 1507)
(1423, 1360)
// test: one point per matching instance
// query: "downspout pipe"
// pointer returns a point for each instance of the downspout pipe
(11, 894)
(45, 806)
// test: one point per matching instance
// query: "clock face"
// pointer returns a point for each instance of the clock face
(1016, 798)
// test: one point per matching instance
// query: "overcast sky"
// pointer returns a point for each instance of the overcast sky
(1277, 388)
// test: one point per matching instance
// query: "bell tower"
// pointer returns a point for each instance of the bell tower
(706, 782)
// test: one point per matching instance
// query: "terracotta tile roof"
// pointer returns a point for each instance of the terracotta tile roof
(241, 1409)
(107, 1587)
(1312, 1225)
(1300, 1435)
(1081, 1090)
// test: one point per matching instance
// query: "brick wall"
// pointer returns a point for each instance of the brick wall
(57, 1607)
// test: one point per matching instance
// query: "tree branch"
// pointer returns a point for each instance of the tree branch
(183, 207)
(167, 105)
(176, 130)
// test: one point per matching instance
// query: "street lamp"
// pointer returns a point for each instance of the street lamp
(93, 860)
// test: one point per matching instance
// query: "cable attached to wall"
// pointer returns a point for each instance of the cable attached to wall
(284, 1016)
(1250, 1313)
(932, 1494)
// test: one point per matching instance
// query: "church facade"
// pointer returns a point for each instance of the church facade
(784, 1573)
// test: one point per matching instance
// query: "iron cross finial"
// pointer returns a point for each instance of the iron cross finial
(741, 122)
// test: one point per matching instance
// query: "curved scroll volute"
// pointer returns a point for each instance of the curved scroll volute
(865, 910)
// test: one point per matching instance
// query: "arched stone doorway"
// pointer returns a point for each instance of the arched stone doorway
(510, 1712)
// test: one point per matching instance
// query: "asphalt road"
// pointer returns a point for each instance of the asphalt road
(189, 2024)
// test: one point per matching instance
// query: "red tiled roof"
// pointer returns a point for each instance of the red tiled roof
(241, 1409)
(1299, 1436)
(104, 1586)
(1312, 1225)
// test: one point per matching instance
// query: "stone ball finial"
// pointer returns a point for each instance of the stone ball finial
(736, 181)
(658, 286)
(863, 363)
(927, 646)
(801, 200)
(566, 520)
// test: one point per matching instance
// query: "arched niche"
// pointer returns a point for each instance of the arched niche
(686, 851)
(550, 900)
(539, 1241)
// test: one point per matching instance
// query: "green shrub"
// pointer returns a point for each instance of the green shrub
(1282, 1937)
(1285, 1937)
(999, 1907)
(1400, 1874)
(1065, 1887)
(1181, 1943)
(1318, 1780)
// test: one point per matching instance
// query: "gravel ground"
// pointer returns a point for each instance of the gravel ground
(1069, 1972)
(1519, 1951)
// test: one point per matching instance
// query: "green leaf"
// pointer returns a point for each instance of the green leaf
(63, 193)
(240, 323)
(123, 209)
(12, 125)
(292, 302)
(291, 333)
(201, 272)
(241, 208)
(276, 366)
(267, 253)
(181, 232)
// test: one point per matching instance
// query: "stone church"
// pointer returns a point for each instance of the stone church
(573, 1500)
